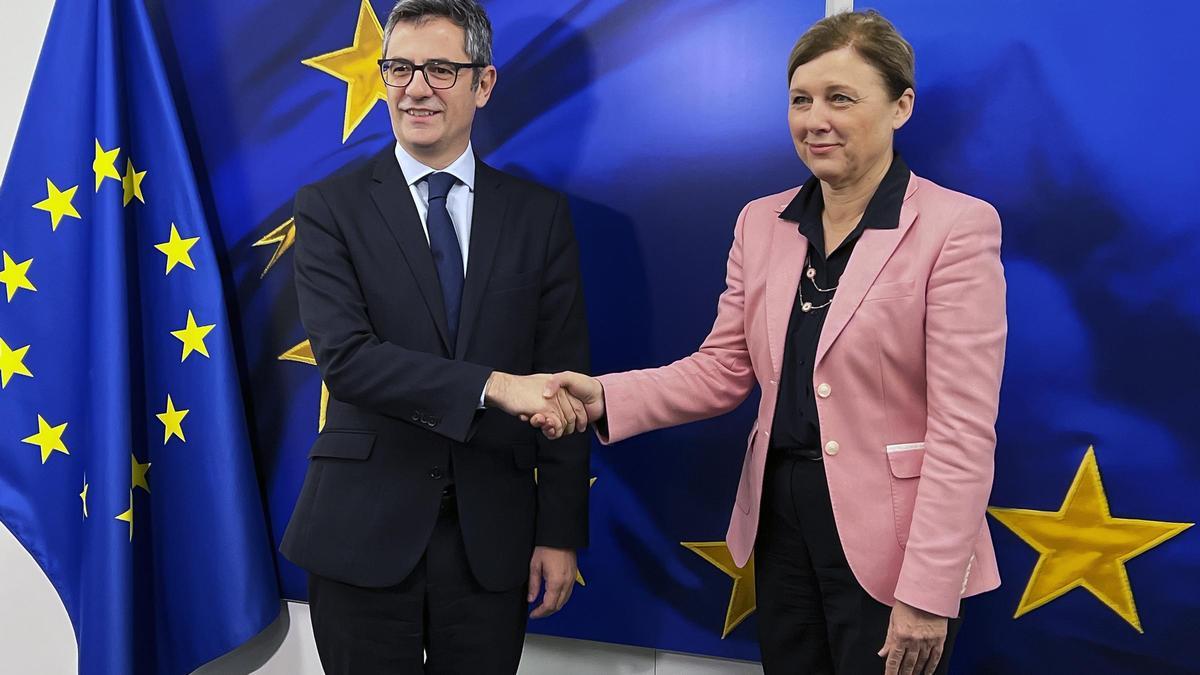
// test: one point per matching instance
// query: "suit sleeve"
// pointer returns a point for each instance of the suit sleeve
(965, 334)
(561, 343)
(426, 390)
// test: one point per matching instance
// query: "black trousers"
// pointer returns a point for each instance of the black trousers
(813, 616)
(439, 620)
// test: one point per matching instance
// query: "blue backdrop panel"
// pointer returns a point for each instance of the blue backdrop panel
(660, 120)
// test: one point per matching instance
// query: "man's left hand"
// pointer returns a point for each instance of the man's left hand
(914, 643)
(555, 569)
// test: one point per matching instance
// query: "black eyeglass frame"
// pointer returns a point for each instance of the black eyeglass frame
(456, 65)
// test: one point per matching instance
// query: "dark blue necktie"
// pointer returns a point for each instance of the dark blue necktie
(447, 256)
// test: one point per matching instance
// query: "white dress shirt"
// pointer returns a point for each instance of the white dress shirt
(460, 202)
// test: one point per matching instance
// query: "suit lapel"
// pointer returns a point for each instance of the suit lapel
(394, 200)
(784, 265)
(871, 253)
(487, 224)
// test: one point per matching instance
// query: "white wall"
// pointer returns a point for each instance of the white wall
(35, 632)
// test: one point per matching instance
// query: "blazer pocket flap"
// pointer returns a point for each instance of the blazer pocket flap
(905, 460)
(890, 289)
(511, 282)
(525, 456)
(343, 445)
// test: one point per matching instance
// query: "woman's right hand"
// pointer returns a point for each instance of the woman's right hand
(587, 390)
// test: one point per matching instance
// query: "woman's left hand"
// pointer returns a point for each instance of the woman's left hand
(914, 643)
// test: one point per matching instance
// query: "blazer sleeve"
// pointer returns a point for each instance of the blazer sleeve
(561, 343)
(438, 394)
(712, 381)
(965, 337)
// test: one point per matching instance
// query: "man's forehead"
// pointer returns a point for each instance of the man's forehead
(435, 31)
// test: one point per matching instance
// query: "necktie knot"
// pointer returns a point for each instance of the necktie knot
(440, 184)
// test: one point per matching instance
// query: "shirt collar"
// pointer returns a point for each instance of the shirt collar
(882, 212)
(462, 168)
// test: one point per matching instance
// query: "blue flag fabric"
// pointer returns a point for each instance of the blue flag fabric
(127, 471)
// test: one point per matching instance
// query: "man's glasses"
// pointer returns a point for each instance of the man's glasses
(438, 74)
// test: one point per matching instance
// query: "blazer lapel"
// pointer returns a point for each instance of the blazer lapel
(784, 265)
(870, 254)
(394, 200)
(487, 224)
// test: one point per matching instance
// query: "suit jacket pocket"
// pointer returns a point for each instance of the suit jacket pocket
(905, 462)
(500, 283)
(890, 289)
(343, 445)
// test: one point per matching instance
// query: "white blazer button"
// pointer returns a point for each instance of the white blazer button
(832, 447)
(824, 390)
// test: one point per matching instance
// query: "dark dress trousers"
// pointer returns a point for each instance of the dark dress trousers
(404, 432)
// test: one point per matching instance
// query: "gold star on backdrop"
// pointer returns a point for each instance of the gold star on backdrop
(15, 276)
(1082, 544)
(131, 183)
(172, 421)
(48, 438)
(357, 66)
(742, 599)
(139, 473)
(83, 496)
(303, 353)
(105, 164)
(177, 250)
(58, 204)
(127, 516)
(192, 337)
(12, 362)
(283, 237)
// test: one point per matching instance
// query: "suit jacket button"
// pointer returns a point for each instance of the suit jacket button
(416, 417)
(824, 390)
(832, 448)
(435, 473)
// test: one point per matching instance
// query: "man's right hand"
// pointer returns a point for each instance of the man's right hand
(524, 396)
(586, 390)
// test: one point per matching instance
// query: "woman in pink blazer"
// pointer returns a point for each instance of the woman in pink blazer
(868, 304)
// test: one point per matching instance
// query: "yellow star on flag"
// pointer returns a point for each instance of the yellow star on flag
(127, 516)
(139, 473)
(105, 164)
(48, 438)
(742, 598)
(15, 276)
(12, 362)
(177, 249)
(58, 204)
(192, 337)
(83, 496)
(357, 66)
(131, 182)
(284, 237)
(172, 421)
(1082, 544)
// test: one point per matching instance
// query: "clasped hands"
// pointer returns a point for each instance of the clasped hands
(559, 404)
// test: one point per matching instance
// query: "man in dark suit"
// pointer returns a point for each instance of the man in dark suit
(430, 284)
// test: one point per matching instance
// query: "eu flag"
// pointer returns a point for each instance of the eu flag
(127, 471)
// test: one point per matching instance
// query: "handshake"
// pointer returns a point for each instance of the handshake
(557, 404)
